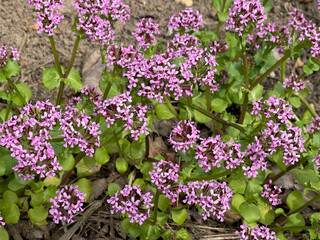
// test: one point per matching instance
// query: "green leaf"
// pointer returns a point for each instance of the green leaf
(250, 212)
(3, 114)
(138, 149)
(2, 77)
(10, 197)
(101, 156)
(4, 234)
(38, 214)
(237, 186)
(256, 92)
(36, 199)
(11, 69)
(223, 16)
(183, 234)
(295, 220)
(307, 116)
(295, 101)
(164, 203)
(84, 186)
(163, 111)
(121, 165)
(54, 181)
(314, 222)
(15, 185)
(219, 105)
(236, 201)
(67, 162)
(49, 193)
(179, 216)
(139, 182)
(280, 236)
(130, 228)
(50, 78)
(86, 167)
(74, 80)
(304, 176)
(9, 211)
(25, 91)
(253, 189)
(113, 188)
(295, 200)
(267, 214)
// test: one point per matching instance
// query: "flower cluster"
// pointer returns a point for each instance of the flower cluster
(245, 13)
(165, 177)
(4, 55)
(213, 151)
(27, 138)
(48, 16)
(213, 197)
(92, 22)
(271, 195)
(91, 94)
(317, 160)
(218, 47)
(78, 130)
(294, 82)
(315, 125)
(68, 202)
(144, 34)
(273, 107)
(132, 201)
(186, 19)
(120, 55)
(257, 233)
(133, 116)
(2, 223)
(308, 31)
(184, 135)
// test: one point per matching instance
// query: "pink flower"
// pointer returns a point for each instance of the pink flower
(186, 19)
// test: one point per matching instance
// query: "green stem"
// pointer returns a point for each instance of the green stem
(209, 107)
(246, 98)
(283, 71)
(308, 105)
(265, 2)
(8, 110)
(104, 97)
(156, 203)
(17, 91)
(212, 177)
(282, 229)
(170, 106)
(221, 10)
(55, 54)
(77, 160)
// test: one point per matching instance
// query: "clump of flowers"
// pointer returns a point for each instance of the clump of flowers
(144, 34)
(245, 13)
(165, 177)
(317, 160)
(2, 223)
(315, 125)
(68, 202)
(212, 197)
(271, 195)
(261, 233)
(184, 135)
(273, 107)
(186, 20)
(213, 151)
(93, 24)
(218, 47)
(5, 55)
(294, 82)
(48, 15)
(133, 202)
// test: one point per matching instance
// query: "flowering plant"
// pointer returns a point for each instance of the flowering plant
(195, 79)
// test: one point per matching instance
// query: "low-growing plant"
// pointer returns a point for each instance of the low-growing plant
(194, 79)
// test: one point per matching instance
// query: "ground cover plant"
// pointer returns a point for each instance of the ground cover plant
(195, 79)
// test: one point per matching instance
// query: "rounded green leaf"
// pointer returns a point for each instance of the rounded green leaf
(219, 105)
(295, 220)
(36, 199)
(183, 234)
(4, 234)
(121, 165)
(38, 214)
(236, 201)
(101, 156)
(84, 186)
(138, 149)
(67, 162)
(10, 196)
(131, 228)
(51, 181)
(295, 200)
(164, 203)
(9, 211)
(2, 76)
(179, 216)
(4, 112)
(295, 101)
(50, 78)
(113, 188)
(11, 69)
(163, 111)
(250, 212)
(74, 80)
(140, 182)
(267, 214)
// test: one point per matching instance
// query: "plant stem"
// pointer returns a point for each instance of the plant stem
(265, 2)
(170, 106)
(156, 203)
(55, 54)
(104, 97)
(282, 229)
(283, 71)
(17, 91)
(212, 177)
(209, 108)
(8, 110)
(246, 82)
(77, 160)
(308, 105)
(219, 23)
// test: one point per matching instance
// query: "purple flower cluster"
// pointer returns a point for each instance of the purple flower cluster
(317, 160)
(213, 197)
(78, 130)
(184, 135)
(144, 34)
(245, 13)
(4, 55)
(91, 19)
(2, 223)
(68, 202)
(294, 82)
(308, 30)
(315, 125)
(186, 19)
(256, 233)
(211, 152)
(48, 16)
(271, 195)
(133, 116)
(91, 94)
(273, 107)
(271, 33)
(165, 177)
(133, 202)
(27, 138)
(218, 47)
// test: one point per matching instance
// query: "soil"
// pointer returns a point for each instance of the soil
(17, 28)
